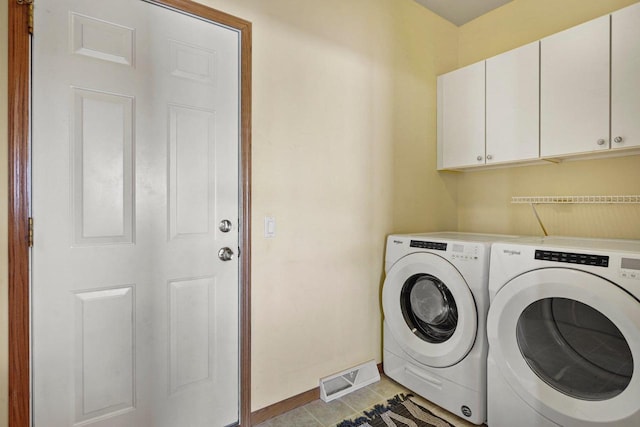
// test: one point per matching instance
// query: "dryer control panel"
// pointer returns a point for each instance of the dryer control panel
(572, 258)
(630, 268)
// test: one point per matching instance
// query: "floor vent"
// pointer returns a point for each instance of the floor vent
(337, 385)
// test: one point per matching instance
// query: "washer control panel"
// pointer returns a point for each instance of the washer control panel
(459, 251)
(438, 246)
(462, 252)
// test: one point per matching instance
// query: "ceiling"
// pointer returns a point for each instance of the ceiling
(461, 11)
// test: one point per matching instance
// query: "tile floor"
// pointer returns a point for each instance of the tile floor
(321, 414)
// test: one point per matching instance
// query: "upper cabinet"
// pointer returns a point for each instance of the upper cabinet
(513, 103)
(573, 94)
(625, 77)
(461, 117)
(488, 111)
(574, 90)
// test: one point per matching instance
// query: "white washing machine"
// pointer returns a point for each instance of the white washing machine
(564, 333)
(435, 301)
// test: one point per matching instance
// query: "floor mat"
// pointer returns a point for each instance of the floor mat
(401, 411)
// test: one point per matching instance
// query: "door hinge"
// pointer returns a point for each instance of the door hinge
(30, 236)
(29, 4)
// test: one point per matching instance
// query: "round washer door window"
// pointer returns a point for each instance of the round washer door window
(568, 344)
(575, 349)
(429, 309)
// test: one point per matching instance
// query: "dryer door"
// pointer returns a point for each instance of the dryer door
(568, 343)
(429, 309)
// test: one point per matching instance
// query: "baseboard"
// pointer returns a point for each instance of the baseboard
(283, 406)
(289, 404)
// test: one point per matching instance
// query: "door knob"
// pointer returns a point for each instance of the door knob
(225, 226)
(225, 254)
(601, 141)
(617, 139)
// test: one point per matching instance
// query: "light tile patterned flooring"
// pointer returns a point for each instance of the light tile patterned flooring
(351, 406)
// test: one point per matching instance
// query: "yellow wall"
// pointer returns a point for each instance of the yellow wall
(484, 197)
(343, 131)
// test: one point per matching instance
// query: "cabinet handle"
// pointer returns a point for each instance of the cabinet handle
(601, 142)
(617, 139)
(489, 157)
(479, 158)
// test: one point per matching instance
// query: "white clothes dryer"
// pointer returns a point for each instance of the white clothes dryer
(564, 333)
(435, 301)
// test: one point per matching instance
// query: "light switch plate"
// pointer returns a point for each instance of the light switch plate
(269, 227)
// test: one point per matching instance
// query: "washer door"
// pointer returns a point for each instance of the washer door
(568, 343)
(429, 309)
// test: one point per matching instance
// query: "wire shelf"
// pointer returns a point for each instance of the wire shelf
(576, 199)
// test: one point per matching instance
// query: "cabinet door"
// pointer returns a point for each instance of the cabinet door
(574, 85)
(625, 77)
(513, 105)
(461, 117)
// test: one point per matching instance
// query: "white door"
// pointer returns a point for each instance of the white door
(461, 110)
(513, 105)
(135, 163)
(625, 84)
(568, 343)
(574, 90)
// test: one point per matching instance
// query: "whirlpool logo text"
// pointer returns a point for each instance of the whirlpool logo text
(510, 252)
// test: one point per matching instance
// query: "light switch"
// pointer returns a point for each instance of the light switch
(269, 227)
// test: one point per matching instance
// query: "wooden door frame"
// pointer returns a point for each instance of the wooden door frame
(20, 197)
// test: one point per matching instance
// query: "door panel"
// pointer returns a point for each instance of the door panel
(104, 343)
(513, 105)
(102, 139)
(461, 116)
(574, 90)
(625, 85)
(135, 162)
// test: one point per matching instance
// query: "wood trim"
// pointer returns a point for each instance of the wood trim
(286, 405)
(291, 403)
(19, 199)
(206, 12)
(245, 272)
